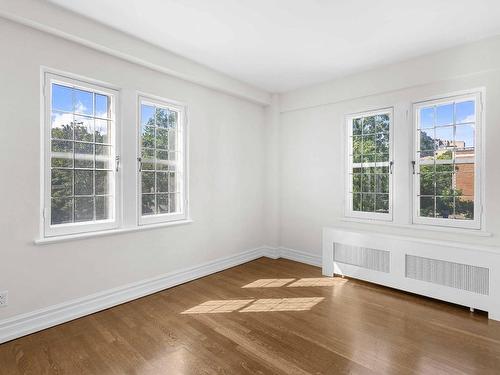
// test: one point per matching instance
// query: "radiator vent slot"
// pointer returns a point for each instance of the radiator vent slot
(373, 259)
(455, 275)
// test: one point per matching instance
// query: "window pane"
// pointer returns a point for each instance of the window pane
(161, 138)
(148, 182)
(62, 183)
(84, 155)
(369, 144)
(464, 209)
(382, 123)
(464, 137)
(356, 183)
(382, 203)
(427, 140)
(102, 182)
(368, 183)
(426, 118)
(161, 182)
(465, 112)
(61, 211)
(173, 204)
(369, 125)
(84, 128)
(464, 179)
(444, 115)
(444, 184)
(382, 183)
(102, 208)
(102, 130)
(427, 184)
(147, 115)
(62, 98)
(84, 182)
(148, 204)
(84, 209)
(83, 102)
(444, 137)
(102, 106)
(162, 203)
(172, 182)
(356, 202)
(357, 126)
(148, 136)
(62, 125)
(161, 160)
(62, 154)
(382, 143)
(427, 207)
(162, 117)
(444, 207)
(148, 161)
(172, 140)
(103, 157)
(172, 119)
(368, 203)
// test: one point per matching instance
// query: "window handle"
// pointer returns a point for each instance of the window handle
(391, 166)
(117, 160)
(413, 166)
(140, 164)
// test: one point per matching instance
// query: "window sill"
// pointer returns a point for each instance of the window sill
(421, 227)
(80, 236)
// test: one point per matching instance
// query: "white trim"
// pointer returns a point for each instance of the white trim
(182, 141)
(24, 324)
(478, 223)
(49, 76)
(348, 207)
(111, 232)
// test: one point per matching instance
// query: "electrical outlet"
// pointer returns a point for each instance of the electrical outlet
(4, 298)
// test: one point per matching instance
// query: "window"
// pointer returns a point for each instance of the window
(80, 189)
(369, 181)
(161, 161)
(446, 173)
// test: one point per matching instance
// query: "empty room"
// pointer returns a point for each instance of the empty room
(249, 187)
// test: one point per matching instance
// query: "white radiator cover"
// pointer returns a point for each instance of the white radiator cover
(454, 275)
(465, 274)
(373, 259)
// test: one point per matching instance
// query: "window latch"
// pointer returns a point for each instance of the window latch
(413, 166)
(117, 159)
(391, 166)
(139, 160)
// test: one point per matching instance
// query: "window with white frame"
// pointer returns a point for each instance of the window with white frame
(80, 163)
(369, 180)
(161, 161)
(446, 168)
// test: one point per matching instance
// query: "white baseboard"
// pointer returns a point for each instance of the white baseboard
(24, 324)
(300, 256)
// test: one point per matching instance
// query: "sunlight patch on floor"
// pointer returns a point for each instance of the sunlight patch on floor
(252, 305)
(283, 304)
(319, 281)
(218, 306)
(268, 283)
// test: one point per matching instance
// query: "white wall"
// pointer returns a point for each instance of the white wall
(312, 140)
(226, 184)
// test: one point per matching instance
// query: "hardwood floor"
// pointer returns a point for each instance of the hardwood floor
(266, 317)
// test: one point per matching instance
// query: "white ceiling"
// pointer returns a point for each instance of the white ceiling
(280, 45)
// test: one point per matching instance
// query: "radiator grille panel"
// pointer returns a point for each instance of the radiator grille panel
(455, 275)
(373, 259)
